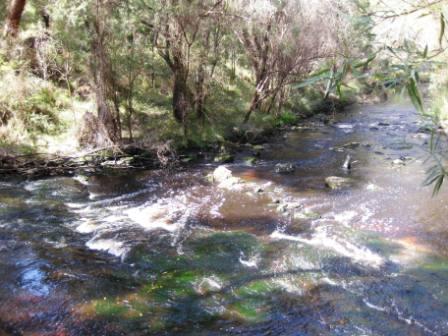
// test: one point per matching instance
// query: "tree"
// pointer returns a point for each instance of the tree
(282, 41)
(15, 11)
(184, 34)
(104, 78)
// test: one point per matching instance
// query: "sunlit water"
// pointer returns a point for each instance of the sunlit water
(147, 253)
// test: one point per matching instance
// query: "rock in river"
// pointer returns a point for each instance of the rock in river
(284, 168)
(336, 183)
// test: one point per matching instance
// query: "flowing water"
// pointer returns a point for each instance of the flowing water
(146, 253)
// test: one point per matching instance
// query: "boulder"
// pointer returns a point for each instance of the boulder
(336, 183)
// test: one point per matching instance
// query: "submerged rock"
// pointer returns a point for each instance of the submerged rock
(336, 183)
(284, 168)
(373, 127)
(398, 163)
(306, 214)
(402, 161)
(250, 161)
(224, 158)
(401, 146)
(352, 145)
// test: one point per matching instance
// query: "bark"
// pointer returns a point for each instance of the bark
(15, 12)
(109, 122)
(200, 93)
(181, 99)
(45, 18)
(254, 105)
(259, 53)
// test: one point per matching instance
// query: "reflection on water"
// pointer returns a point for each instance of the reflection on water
(260, 253)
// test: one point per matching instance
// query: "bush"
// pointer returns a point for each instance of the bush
(286, 118)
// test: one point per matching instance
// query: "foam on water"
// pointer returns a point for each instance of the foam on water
(88, 226)
(125, 197)
(84, 180)
(342, 247)
(402, 316)
(346, 217)
(251, 262)
(167, 214)
(114, 247)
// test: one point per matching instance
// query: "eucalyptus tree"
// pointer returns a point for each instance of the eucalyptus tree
(284, 41)
(187, 36)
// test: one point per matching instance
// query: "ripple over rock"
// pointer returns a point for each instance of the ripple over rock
(224, 177)
(336, 183)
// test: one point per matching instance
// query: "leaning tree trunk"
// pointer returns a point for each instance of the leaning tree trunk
(254, 105)
(15, 12)
(257, 98)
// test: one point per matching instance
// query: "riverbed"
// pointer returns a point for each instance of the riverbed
(251, 253)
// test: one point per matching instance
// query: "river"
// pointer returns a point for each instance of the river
(150, 253)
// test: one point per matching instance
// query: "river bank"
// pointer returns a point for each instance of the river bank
(243, 138)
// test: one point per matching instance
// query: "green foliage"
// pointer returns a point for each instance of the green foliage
(437, 173)
(39, 112)
(286, 118)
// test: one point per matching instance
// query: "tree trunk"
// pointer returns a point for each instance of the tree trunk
(254, 105)
(200, 93)
(181, 99)
(109, 122)
(15, 12)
